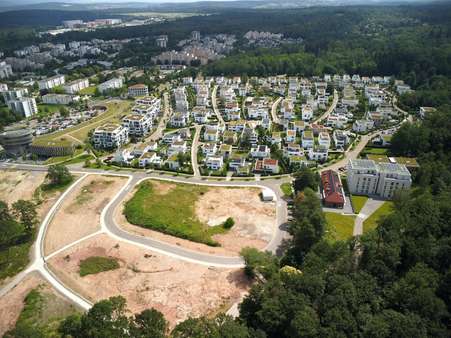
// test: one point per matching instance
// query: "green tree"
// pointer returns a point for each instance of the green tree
(305, 178)
(149, 323)
(58, 174)
(26, 212)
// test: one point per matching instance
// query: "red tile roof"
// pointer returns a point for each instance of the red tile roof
(332, 189)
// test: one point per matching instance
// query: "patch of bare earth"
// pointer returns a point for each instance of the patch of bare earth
(147, 279)
(79, 214)
(255, 220)
(18, 184)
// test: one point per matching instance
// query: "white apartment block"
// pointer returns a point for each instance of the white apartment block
(51, 82)
(138, 125)
(366, 177)
(110, 136)
(74, 87)
(14, 94)
(25, 106)
(59, 99)
(110, 84)
(5, 70)
(307, 112)
(138, 90)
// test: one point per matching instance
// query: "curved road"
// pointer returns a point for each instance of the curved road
(214, 104)
(274, 106)
(194, 150)
(330, 109)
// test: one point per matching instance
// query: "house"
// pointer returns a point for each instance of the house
(260, 151)
(293, 149)
(237, 163)
(209, 149)
(324, 140)
(291, 136)
(123, 156)
(332, 190)
(230, 137)
(211, 134)
(267, 165)
(341, 139)
(201, 114)
(298, 161)
(318, 153)
(307, 139)
(225, 150)
(142, 148)
(149, 158)
(214, 162)
(363, 126)
(306, 112)
(179, 120)
(177, 148)
(276, 138)
(236, 126)
(173, 162)
(299, 126)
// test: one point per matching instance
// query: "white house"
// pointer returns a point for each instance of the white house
(306, 112)
(214, 162)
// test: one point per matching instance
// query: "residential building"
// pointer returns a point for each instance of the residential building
(149, 158)
(25, 106)
(5, 70)
(179, 120)
(214, 162)
(63, 99)
(74, 87)
(363, 126)
(14, 94)
(260, 151)
(268, 165)
(366, 177)
(110, 84)
(318, 153)
(341, 139)
(324, 140)
(307, 139)
(138, 90)
(110, 135)
(332, 190)
(138, 125)
(306, 112)
(51, 82)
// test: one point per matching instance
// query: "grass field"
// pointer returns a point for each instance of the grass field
(358, 202)
(96, 264)
(88, 91)
(340, 226)
(171, 213)
(375, 151)
(286, 189)
(371, 222)
(14, 259)
(115, 110)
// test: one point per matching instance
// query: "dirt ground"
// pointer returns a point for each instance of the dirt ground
(147, 279)
(12, 303)
(254, 219)
(79, 215)
(16, 184)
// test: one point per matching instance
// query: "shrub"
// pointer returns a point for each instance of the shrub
(96, 264)
(229, 223)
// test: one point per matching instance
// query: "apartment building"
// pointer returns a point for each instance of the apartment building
(63, 99)
(5, 70)
(25, 106)
(74, 87)
(111, 84)
(366, 177)
(14, 94)
(51, 82)
(110, 135)
(138, 125)
(138, 90)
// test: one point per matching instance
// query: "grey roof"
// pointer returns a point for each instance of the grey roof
(394, 168)
(362, 164)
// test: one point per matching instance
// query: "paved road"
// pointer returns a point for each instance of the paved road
(330, 109)
(194, 150)
(368, 209)
(214, 104)
(274, 106)
(158, 133)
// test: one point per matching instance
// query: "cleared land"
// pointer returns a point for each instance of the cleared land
(371, 222)
(146, 279)
(51, 307)
(205, 207)
(16, 185)
(340, 227)
(79, 214)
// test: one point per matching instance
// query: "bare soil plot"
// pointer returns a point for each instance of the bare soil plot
(147, 279)
(17, 184)
(11, 304)
(79, 214)
(255, 220)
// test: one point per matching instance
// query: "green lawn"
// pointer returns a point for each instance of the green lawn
(88, 91)
(47, 109)
(358, 202)
(287, 189)
(375, 151)
(340, 226)
(14, 259)
(171, 213)
(371, 222)
(96, 264)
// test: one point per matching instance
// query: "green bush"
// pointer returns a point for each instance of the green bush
(96, 264)
(229, 223)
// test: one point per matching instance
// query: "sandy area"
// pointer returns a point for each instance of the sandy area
(16, 184)
(254, 219)
(146, 279)
(12, 303)
(79, 215)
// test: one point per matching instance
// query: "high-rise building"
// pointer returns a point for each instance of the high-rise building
(25, 106)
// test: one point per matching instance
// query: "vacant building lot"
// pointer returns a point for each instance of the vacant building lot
(16, 184)
(146, 279)
(79, 214)
(52, 307)
(195, 214)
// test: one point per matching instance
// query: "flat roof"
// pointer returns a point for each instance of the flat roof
(363, 164)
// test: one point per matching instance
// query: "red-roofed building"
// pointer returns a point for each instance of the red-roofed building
(267, 165)
(332, 190)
